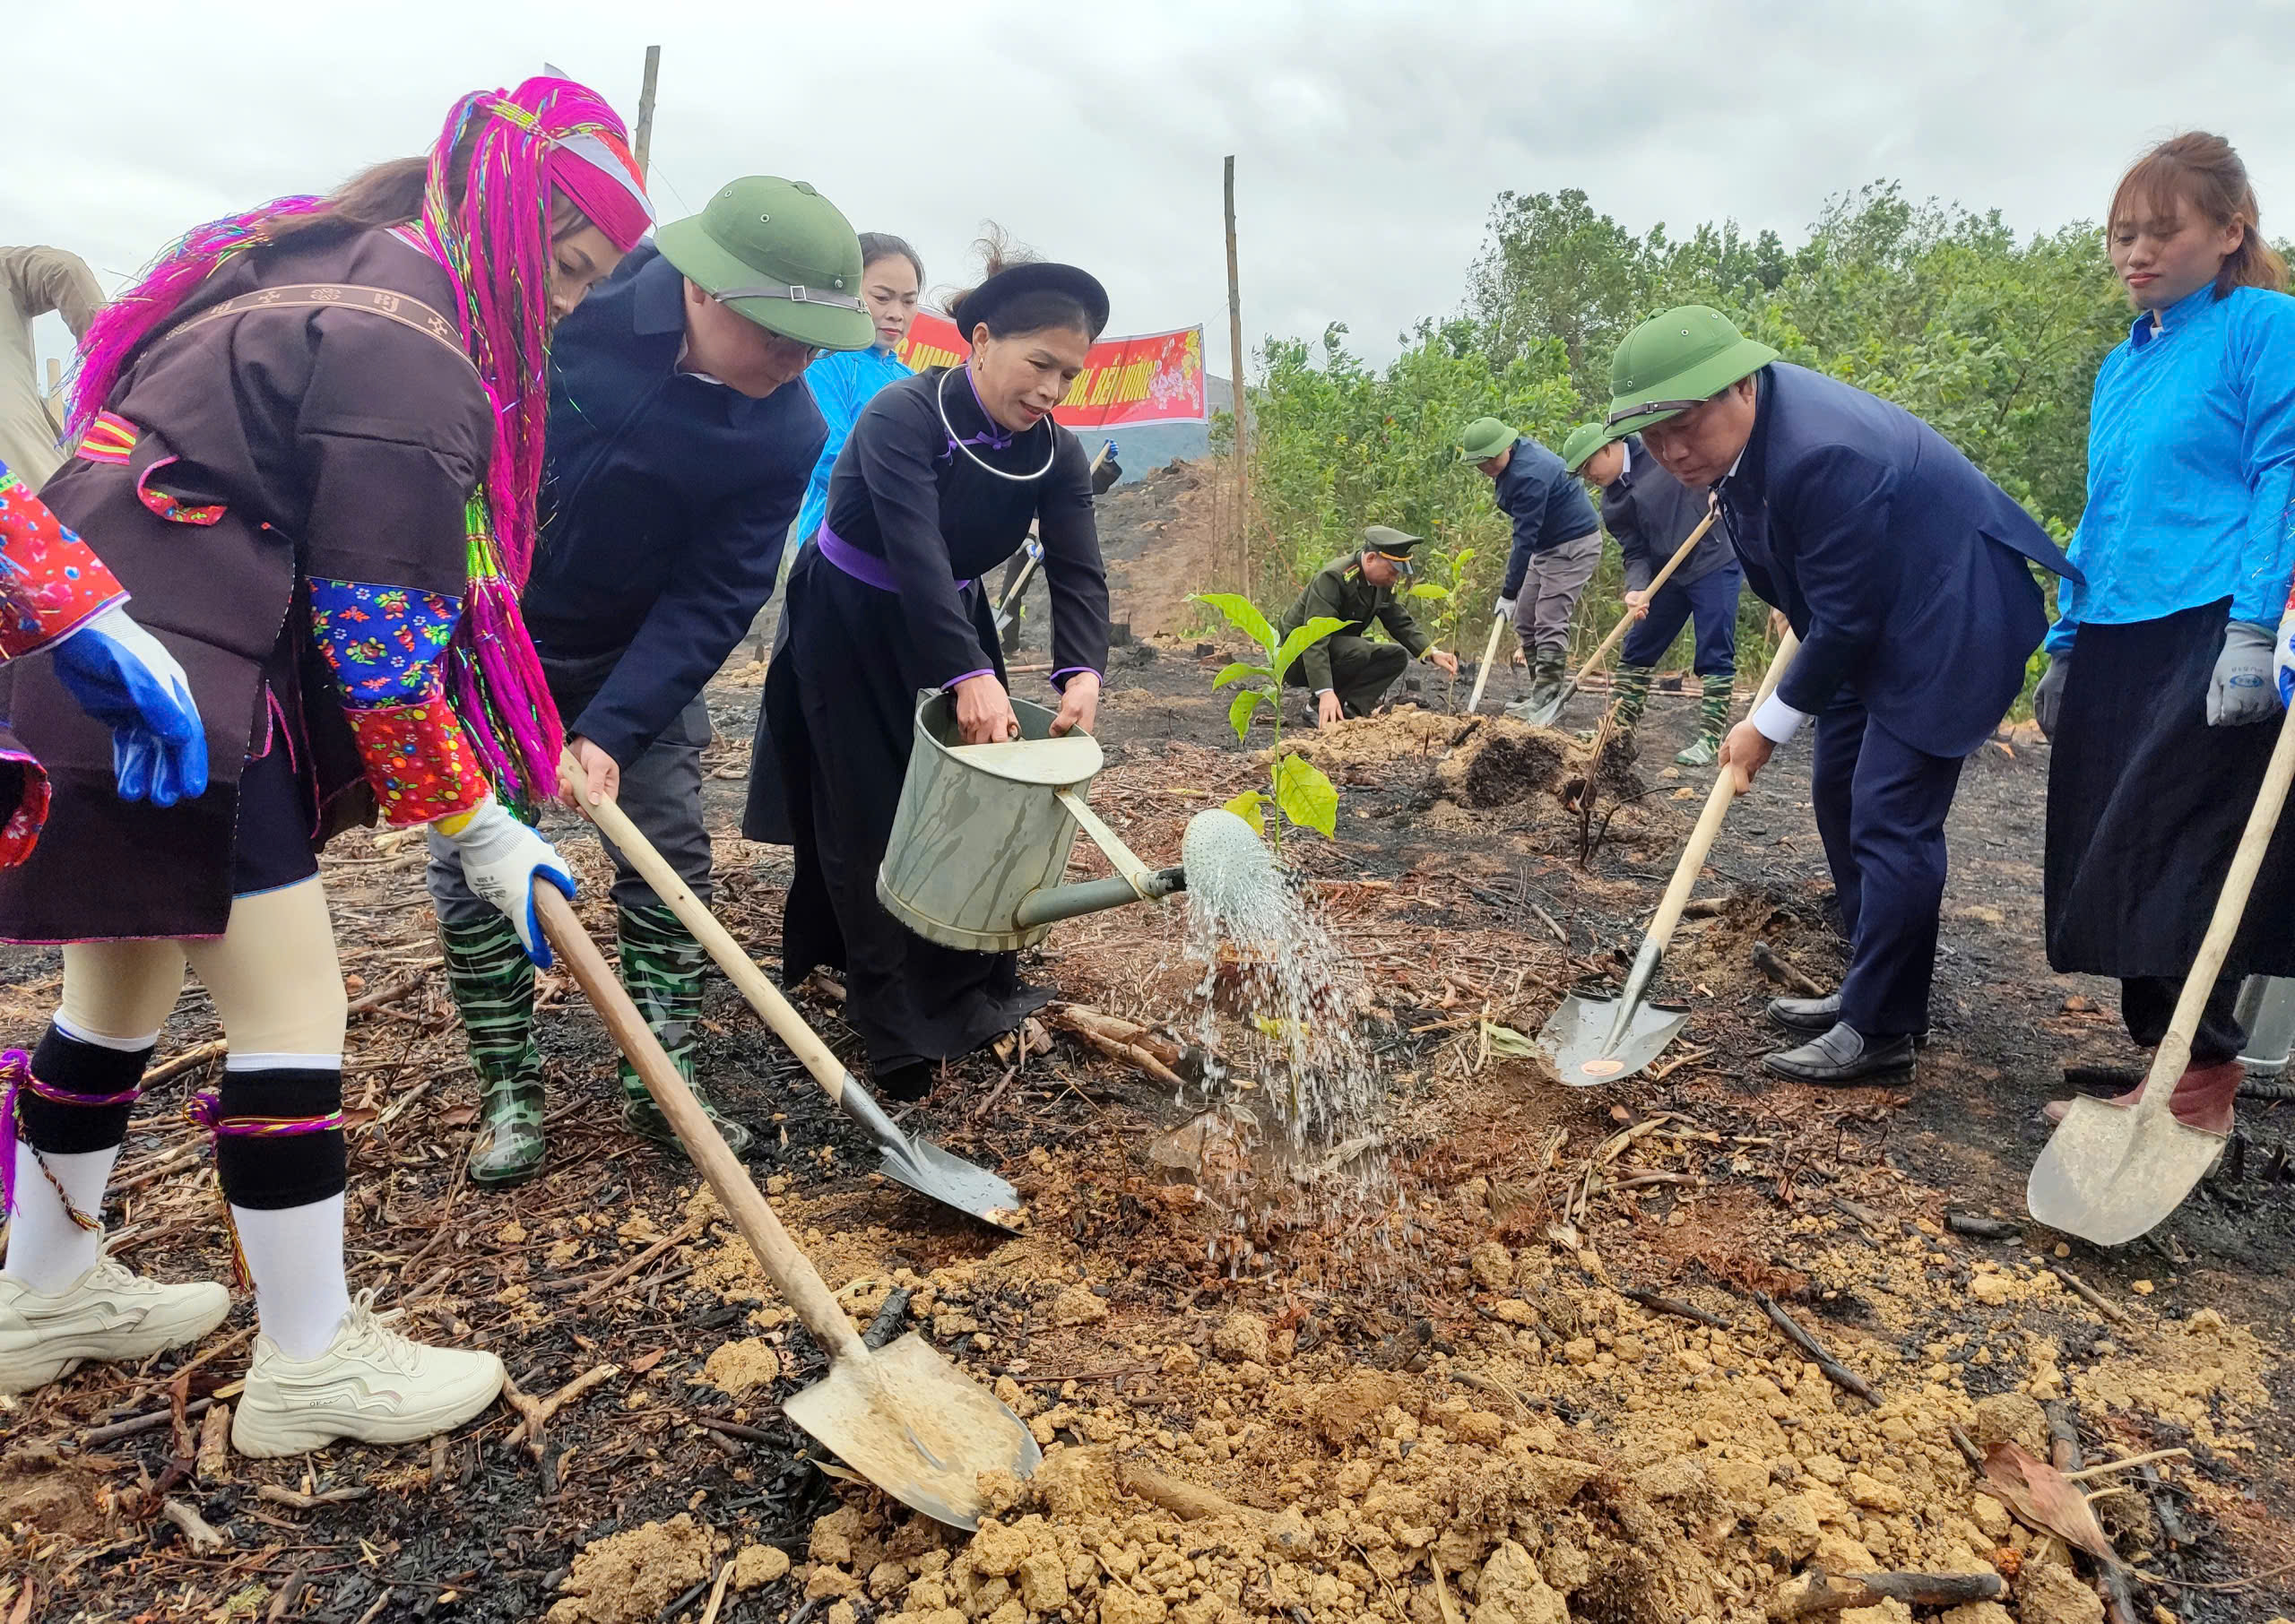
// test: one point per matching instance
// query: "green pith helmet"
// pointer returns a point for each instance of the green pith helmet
(782, 254)
(1675, 361)
(1483, 439)
(1584, 441)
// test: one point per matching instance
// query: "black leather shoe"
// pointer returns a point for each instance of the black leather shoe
(1814, 1017)
(1806, 1017)
(1844, 1059)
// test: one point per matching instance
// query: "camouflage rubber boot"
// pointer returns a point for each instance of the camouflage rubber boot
(492, 982)
(661, 967)
(1712, 721)
(1631, 691)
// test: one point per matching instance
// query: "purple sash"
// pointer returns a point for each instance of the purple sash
(866, 568)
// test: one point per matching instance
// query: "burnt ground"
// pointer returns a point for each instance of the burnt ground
(1463, 898)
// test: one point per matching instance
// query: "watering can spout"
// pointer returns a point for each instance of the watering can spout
(1053, 903)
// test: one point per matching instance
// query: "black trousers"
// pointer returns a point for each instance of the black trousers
(2146, 1003)
(1880, 807)
(1361, 671)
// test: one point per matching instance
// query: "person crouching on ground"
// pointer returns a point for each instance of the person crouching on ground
(1558, 543)
(2160, 682)
(1651, 513)
(681, 438)
(1346, 672)
(361, 374)
(1908, 576)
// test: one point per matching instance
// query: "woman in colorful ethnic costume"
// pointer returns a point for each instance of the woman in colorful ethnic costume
(2159, 693)
(308, 444)
(939, 482)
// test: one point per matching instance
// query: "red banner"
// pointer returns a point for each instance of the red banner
(1155, 377)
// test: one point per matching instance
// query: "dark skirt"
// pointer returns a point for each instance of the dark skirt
(2146, 804)
(838, 717)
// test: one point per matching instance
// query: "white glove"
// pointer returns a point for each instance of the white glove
(1505, 609)
(503, 860)
(2284, 656)
(2241, 689)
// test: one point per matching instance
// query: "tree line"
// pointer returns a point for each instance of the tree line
(1994, 340)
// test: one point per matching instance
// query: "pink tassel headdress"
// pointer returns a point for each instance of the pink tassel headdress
(546, 136)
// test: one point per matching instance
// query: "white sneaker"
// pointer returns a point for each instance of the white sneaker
(370, 1384)
(108, 1314)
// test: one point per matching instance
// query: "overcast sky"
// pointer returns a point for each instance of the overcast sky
(1370, 140)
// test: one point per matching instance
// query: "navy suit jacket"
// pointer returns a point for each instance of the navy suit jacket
(664, 505)
(1903, 570)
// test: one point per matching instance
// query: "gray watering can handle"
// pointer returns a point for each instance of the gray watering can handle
(1126, 862)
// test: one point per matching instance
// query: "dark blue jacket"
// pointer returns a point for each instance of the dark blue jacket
(1906, 573)
(1650, 513)
(665, 503)
(1547, 503)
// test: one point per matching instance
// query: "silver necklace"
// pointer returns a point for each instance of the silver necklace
(1052, 450)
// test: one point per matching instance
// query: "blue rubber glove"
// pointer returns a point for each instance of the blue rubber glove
(503, 860)
(124, 679)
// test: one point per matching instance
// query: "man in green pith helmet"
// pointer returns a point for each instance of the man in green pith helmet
(1346, 672)
(681, 437)
(1558, 543)
(1908, 576)
(1651, 513)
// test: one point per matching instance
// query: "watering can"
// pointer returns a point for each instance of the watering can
(982, 833)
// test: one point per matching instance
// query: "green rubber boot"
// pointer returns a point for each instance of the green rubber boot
(661, 967)
(1712, 721)
(1630, 689)
(492, 982)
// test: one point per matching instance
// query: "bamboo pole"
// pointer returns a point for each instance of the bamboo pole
(645, 144)
(1235, 358)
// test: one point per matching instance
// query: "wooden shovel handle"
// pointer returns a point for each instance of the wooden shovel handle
(740, 969)
(1689, 544)
(1709, 822)
(788, 1268)
(1489, 653)
(2175, 1049)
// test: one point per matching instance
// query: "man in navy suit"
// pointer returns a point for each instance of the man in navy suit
(1907, 574)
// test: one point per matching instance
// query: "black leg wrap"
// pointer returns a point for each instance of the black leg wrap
(271, 1171)
(70, 1067)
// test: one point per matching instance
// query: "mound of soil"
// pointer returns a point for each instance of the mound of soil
(1475, 762)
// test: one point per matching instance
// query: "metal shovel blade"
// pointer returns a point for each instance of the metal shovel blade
(927, 1168)
(1546, 715)
(2110, 1173)
(1577, 1038)
(918, 1428)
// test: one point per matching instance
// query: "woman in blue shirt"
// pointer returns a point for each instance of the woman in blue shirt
(2161, 666)
(891, 273)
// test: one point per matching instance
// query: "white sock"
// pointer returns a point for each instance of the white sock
(45, 1249)
(295, 1257)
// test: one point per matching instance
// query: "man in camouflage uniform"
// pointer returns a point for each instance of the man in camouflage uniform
(1346, 672)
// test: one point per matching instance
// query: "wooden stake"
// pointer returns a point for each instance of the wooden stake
(645, 144)
(1235, 354)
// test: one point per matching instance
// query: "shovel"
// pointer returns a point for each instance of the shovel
(2110, 1172)
(1594, 1040)
(919, 1163)
(1008, 608)
(1489, 653)
(904, 1417)
(1544, 716)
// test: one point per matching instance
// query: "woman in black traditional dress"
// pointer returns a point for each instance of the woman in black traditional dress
(938, 483)
(2159, 689)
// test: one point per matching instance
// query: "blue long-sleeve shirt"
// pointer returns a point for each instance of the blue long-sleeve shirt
(2191, 467)
(842, 384)
(1547, 504)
